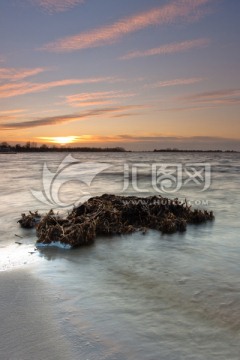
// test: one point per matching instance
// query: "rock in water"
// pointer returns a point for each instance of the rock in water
(110, 214)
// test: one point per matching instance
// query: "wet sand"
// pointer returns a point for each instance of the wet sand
(28, 329)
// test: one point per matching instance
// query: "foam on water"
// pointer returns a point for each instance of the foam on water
(56, 244)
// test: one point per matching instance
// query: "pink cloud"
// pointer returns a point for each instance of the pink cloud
(96, 98)
(22, 88)
(169, 48)
(176, 82)
(166, 14)
(14, 74)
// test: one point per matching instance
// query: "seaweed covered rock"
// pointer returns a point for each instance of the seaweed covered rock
(110, 214)
(30, 220)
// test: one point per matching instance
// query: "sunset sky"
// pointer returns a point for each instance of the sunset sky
(140, 74)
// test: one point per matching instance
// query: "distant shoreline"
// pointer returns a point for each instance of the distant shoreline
(198, 151)
(114, 151)
(11, 149)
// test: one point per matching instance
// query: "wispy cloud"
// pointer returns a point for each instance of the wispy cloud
(176, 82)
(12, 112)
(58, 120)
(14, 74)
(22, 88)
(11, 115)
(96, 98)
(220, 97)
(109, 34)
(184, 108)
(204, 100)
(56, 5)
(172, 48)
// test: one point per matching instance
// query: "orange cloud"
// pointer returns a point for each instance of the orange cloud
(16, 89)
(109, 34)
(12, 112)
(56, 5)
(14, 74)
(96, 98)
(169, 49)
(10, 115)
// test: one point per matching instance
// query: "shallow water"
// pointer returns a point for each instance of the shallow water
(137, 296)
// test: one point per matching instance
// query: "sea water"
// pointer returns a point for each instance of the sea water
(143, 297)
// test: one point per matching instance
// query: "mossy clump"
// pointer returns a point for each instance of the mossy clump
(30, 220)
(111, 214)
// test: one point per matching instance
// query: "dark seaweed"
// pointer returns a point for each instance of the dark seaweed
(110, 214)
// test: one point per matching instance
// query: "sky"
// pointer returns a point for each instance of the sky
(143, 74)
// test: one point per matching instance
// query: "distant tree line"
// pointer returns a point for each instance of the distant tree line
(33, 147)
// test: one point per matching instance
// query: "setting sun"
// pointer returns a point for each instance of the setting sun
(61, 140)
(64, 140)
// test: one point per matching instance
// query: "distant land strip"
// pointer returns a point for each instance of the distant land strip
(33, 147)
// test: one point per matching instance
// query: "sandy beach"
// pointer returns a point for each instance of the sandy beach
(28, 327)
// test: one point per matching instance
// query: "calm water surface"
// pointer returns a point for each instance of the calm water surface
(143, 297)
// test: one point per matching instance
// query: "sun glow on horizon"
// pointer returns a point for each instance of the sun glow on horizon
(61, 140)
